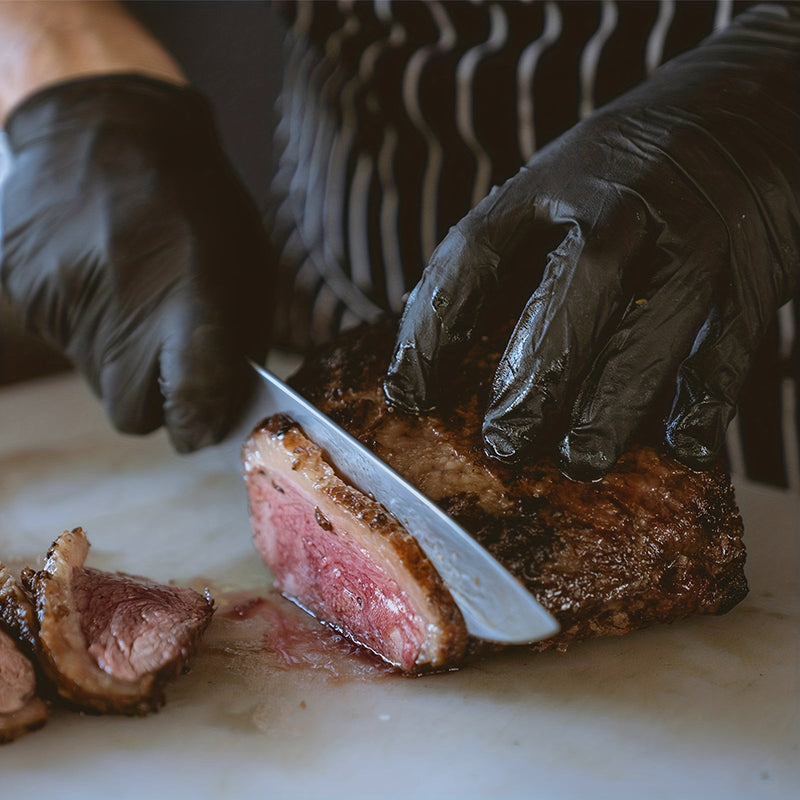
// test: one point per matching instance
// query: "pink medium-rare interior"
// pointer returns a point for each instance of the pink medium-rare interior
(320, 561)
(17, 678)
(133, 627)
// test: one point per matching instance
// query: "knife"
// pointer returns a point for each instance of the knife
(494, 604)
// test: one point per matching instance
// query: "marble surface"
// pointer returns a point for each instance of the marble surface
(701, 709)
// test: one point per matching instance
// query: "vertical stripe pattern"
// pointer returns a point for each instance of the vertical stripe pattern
(396, 117)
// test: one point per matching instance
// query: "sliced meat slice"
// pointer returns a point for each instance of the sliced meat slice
(21, 709)
(109, 642)
(343, 557)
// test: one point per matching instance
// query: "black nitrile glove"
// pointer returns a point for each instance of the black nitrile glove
(130, 243)
(680, 209)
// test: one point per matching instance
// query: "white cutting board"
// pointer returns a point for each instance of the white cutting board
(701, 709)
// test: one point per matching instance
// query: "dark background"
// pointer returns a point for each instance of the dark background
(232, 51)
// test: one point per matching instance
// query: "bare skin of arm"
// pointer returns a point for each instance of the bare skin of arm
(42, 43)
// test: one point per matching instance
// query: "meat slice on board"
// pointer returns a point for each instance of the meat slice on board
(104, 642)
(21, 709)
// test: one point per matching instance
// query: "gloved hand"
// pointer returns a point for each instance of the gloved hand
(130, 243)
(679, 205)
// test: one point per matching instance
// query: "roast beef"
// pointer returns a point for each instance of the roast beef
(21, 709)
(651, 542)
(104, 642)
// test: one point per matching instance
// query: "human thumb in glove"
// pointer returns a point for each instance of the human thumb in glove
(130, 243)
(678, 207)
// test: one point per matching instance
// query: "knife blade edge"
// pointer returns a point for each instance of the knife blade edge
(494, 604)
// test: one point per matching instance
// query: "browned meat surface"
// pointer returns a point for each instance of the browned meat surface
(21, 709)
(652, 542)
(337, 553)
(17, 615)
(109, 642)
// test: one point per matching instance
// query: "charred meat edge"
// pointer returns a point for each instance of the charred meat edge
(62, 647)
(17, 614)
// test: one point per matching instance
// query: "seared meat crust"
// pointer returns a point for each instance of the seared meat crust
(651, 542)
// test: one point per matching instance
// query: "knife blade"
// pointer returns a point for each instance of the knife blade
(494, 604)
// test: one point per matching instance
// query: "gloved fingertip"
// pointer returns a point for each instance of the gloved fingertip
(513, 424)
(695, 435)
(506, 443)
(185, 442)
(194, 436)
(193, 425)
(691, 446)
(401, 394)
(134, 409)
(406, 382)
(585, 458)
(499, 446)
(690, 451)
